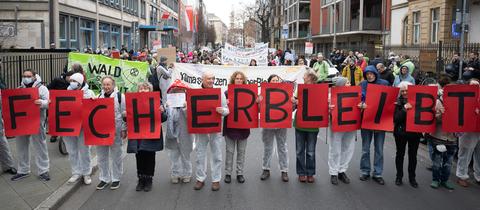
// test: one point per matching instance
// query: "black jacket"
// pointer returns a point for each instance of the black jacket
(58, 83)
(400, 121)
(388, 75)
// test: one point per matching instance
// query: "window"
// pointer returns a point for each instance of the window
(435, 14)
(63, 31)
(87, 30)
(153, 16)
(115, 39)
(73, 25)
(127, 42)
(103, 35)
(416, 27)
(142, 10)
(405, 31)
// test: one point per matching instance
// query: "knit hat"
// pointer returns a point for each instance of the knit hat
(77, 77)
(177, 84)
(340, 81)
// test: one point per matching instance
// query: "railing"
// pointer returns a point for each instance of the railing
(47, 63)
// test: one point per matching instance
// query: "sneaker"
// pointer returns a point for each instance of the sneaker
(87, 179)
(175, 180)
(115, 185)
(215, 186)
(11, 171)
(265, 175)
(364, 177)
(228, 179)
(448, 185)
(199, 185)
(44, 177)
(379, 180)
(413, 183)
(462, 182)
(17, 177)
(334, 179)
(302, 178)
(310, 179)
(240, 179)
(398, 181)
(102, 185)
(343, 177)
(186, 179)
(284, 176)
(435, 184)
(73, 179)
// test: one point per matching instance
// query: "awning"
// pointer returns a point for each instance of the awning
(157, 28)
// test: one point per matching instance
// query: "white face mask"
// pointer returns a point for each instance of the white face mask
(73, 85)
(27, 80)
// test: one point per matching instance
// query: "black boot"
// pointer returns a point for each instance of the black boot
(141, 183)
(148, 183)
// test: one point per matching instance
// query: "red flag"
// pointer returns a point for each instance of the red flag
(421, 118)
(312, 109)
(65, 112)
(380, 103)
(243, 106)
(202, 116)
(20, 114)
(460, 103)
(143, 115)
(99, 121)
(276, 106)
(346, 114)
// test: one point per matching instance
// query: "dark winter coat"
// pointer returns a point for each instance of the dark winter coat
(150, 145)
(400, 121)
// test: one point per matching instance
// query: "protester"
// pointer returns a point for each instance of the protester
(403, 137)
(404, 61)
(31, 79)
(468, 145)
(403, 76)
(341, 147)
(472, 70)
(362, 62)
(164, 75)
(453, 68)
(235, 138)
(145, 149)
(178, 141)
(321, 68)
(352, 72)
(6, 161)
(385, 73)
(215, 141)
(78, 152)
(371, 76)
(253, 62)
(112, 153)
(268, 136)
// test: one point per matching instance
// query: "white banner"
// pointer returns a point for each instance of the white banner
(242, 56)
(192, 74)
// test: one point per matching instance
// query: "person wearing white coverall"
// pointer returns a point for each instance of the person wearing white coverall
(215, 140)
(112, 153)
(341, 147)
(468, 145)
(33, 80)
(164, 75)
(6, 161)
(78, 152)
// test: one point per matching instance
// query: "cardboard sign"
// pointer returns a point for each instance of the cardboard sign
(170, 53)
(243, 106)
(460, 103)
(346, 114)
(380, 101)
(143, 115)
(276, 106)
(99, 121)
(202, 116)
(65, 112)
(312, 109)
(20, 114)
(421, 118)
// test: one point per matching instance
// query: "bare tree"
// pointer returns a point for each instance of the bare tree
(260, 13)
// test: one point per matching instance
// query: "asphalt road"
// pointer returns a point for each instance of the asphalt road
(274, 194)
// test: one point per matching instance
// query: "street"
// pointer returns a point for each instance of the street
(275, 194)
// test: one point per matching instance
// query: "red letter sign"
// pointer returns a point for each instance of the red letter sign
(143, 115)
(380, 103)
(65, 112)
(202, 116)
(276, 107)
(460, 102)
(312, 109)
(346, 114)
(243, 106)
(20, 114)
(422, 117)
(99, 121)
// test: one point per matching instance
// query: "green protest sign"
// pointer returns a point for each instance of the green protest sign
(127, 74)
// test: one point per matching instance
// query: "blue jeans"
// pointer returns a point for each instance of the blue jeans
(305, 143)
(442, 163)
(379, 139)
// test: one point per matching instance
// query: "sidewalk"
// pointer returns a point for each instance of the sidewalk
(28, 193)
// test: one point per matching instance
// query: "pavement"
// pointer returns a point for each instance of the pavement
(273, 193)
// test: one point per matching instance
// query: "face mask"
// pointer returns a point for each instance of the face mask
(73, 85)
(27, 80)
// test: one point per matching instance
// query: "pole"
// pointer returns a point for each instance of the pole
(462, 39)
(334, 25)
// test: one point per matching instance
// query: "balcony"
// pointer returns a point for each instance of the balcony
(372, 23)
(305, 16)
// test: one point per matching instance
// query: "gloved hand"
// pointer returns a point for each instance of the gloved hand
(441, 148)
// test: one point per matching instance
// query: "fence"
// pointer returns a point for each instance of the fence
(47, 63)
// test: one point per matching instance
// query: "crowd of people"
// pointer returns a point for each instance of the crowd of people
(356, 70)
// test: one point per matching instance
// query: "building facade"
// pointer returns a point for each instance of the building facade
(276, 24)
(297, 18)
(96, 24)
(221, 30)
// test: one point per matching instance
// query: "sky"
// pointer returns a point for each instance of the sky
(223, 8)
